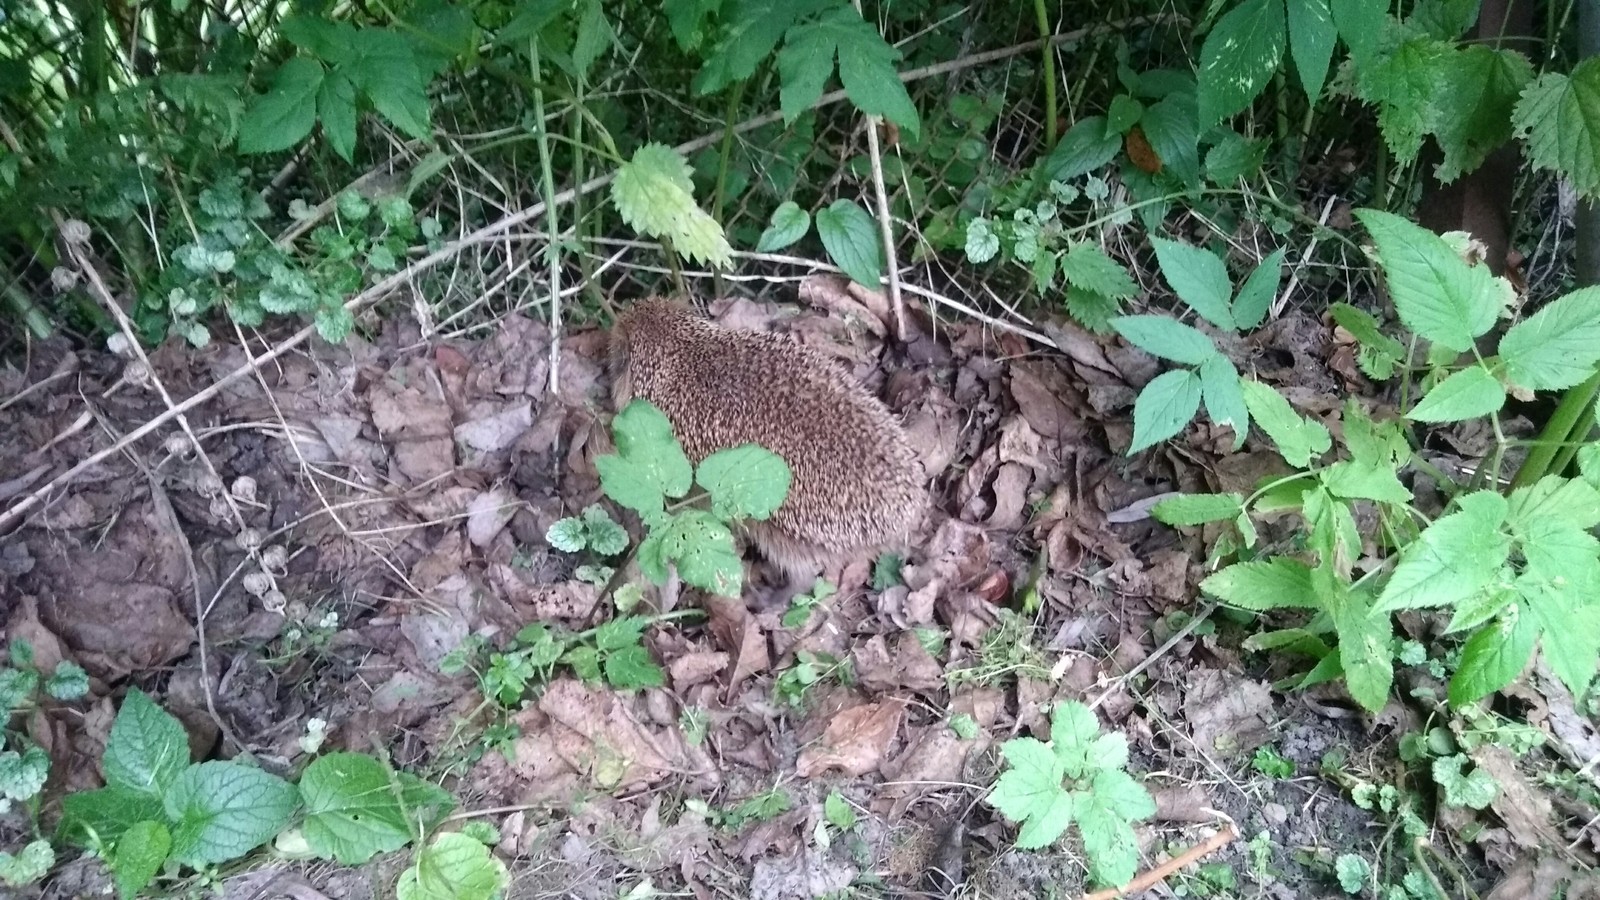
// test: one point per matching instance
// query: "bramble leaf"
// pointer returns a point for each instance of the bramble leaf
(1086, 266)
(1467, 394)
(286, 114)
(1454, 558)
(1257, 292)
(1238, 57)
(1493, 656)
(1297, 439)
(1166, 337)
(1260, 585)
(1165, 405)
(1437, 295)
(1223, 395)
(1311, 39)
(1199, 278)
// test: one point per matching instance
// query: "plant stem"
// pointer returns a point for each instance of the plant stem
(547, 183)
(1049, 53)
(1556, 439)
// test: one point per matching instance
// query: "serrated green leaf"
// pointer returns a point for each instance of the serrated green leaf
(1092, 311)
(1122, 795)
(1166, 338)
(745, 482)
(1437, 295)
(138, 856)
(222, 810)
(1257, 292)
(107, 812)
(1481, 86)
(1165, 405)
(1086, 146)
(1199, 278)
(148, 749)
(1405, 83)
(1380, 354)
(336, 107)
(1492, 657)
(1233, 157)
(1238, 57)
(22, 775)
(28, 866)
(866, 69)
(16, 686)
(654, 194)
(334, 324)
(1298, 440)
(1198, 509)
(1086, 266)
(650, 464)
(982, 243)
(566, 535)
(702, 547)
(1559, 117)
(1570, 502)
(618, 633)
(285, 115)
(1475, 790)
(789, 224)
(1170, 128)
(1108, 841)
(838, 811)
(1454, 558)
(1365, 638)
(68, 682)
(383, 66)
(594, 36)
(1311, 39)
(1556, 347)
(1355, 480)
(1073, 728)
(851, 238)
(1466, 394)
(1223, 396)
(1031, 781)
(1352, 870)
(1045, 827)
(1260, 585)
(1569, 622)
(606, 537)
(631, 668)
(353, 810)
(452, 866)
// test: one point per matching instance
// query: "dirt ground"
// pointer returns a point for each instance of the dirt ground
(411, 481)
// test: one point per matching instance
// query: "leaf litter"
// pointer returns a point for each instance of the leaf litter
(414, 485)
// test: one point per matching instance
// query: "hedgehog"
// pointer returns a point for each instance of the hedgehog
(857, 484)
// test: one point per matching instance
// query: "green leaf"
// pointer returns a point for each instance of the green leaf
(594, 36)
(1198, 509)
(649, 464)
(654, 194)
(28, 866)
(1199, 278)
(838, 811)
(1086, 266)
(1224, 397)
(982, 243)
(1404, 83)
(1073, 729)
(1233, 157)
(1559, 116)
(747, 481)
(1257, 292)
(22, 775)
(1570, 502)
(1086, 146)
(1481, 88)
(566, 535)
(702, 546)
(1476, 790)
(789, 224)
(453, 867)
(1352, 870)
(1238, 57)
(222, 810)
(866, 68)
(1492, 657)
(1436, 294)
(1092, 311)
(1454, 558)
(1380, 354)
(16, 685)
(1556, 347)
(138, 856)
(1123, 113)
(383, 66)
(1466, 394)
(107, 813)
(1357, 480)
(336, 106)
(353, 809)
(1029, 792)
(618, 633)
(68, 682)
(1165, 405)
(1108, 838)
(1298, 440)
(1260, 585)
(1365, 640)
(1360, 23)
(606, 537)
(148, 749)
(334, 323)
(1166, 338)
(1311, 39)
(285, 115)
(851, 238)
(631, 668)
(1569, 622)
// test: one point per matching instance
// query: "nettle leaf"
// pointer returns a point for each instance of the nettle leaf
(353, 812)
(1436, 293)
(1258, 291)
(453, 866)
(1569, 623)
(1260, 585)
(1556, 347)
(148, 748)
(1311, 39)
(1166, 338)
(138, 856)
(631, 669)
(1199, 278)
(1380, 354)
(1404, 84)
(1493, 656)
(1086, 146)
(1360, 23)
(1198, 509)
(1466, 394)
(1457, 556)
(1165, 405)
(1481, 89)
(1091, 310)
(851, 238)
(286, 114)
(605, 536)
(748, 481)
(222, 810)
(1224, 397)
(654, 194)
(789, 224)
(1238, 57)
(595, 34)
(1086, 266)
(1298, 440)
(1108, 838)
(1559, 116)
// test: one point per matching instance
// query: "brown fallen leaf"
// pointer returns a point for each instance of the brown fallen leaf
(855, 742)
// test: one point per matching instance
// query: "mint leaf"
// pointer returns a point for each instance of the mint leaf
(1166, 338)
(1559, 116)
(747, 481)
(1260, 585)
(1556, 347)
(1199, 278)
(353, 810)
(1165, 405)
(1257, 292)
(148, 749)
(453, 866)
(1454, 558)
(138, 856)
(1298, 440)
(654, 194)
(223, 810)
(1437, 295)
(851, 238)
(1198, 509)
(1238, 57)
(789, 224)
(1086, 266)
(285, 115)
(1467, 394)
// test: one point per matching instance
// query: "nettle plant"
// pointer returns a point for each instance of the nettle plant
(1077, 778)
(1515, 570)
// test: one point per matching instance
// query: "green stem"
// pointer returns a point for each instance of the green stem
(1556, 441)
(719, 196)
(1045, 33)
